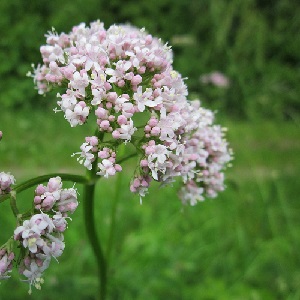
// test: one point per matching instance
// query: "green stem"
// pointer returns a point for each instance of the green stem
(89, 218)
(13, 203)
(113, 217)
(40, 179)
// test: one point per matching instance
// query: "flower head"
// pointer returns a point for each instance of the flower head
(123, 75)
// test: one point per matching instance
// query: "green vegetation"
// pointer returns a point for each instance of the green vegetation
(242, 245)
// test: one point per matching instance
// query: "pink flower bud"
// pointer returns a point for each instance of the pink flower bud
(144, 163)
(112, 160)
(137, 79)
(73, 50)
(136, 183)
(132, 189)
(149, 150)
(153, 122)
(37, 200)
(142, 70)
(40, 189)
(111, 118)
(149, 39)
(118, 168)
(112, 96)
(121, 83)
(155, 131)
(103, 154)
(107, 86)
(104, 124)
(121, 120)
(54, 184)
(101, 113)
(116, 134)
(82, 104)
(92, 140)
(144, 183)
(147, 128)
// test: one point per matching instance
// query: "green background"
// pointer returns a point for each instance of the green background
(242, 245)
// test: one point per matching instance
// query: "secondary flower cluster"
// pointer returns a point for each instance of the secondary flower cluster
(40, 237)
(123, 75)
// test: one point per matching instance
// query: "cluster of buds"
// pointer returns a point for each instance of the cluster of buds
(6, 262)
(6, 180)
(53, 197)
(40, 237)
(123, 75)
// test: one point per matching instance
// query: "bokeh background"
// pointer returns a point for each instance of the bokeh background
(242, 245)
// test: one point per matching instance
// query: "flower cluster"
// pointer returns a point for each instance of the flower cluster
(123, 75)
(41, 236)
(6, 181)
(53, 197)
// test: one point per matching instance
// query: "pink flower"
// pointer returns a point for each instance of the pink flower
(215, 78)
(125, 76)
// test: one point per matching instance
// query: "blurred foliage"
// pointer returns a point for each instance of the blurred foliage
(242, 245)
(253, 42)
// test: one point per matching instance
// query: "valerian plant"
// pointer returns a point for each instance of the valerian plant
(124, 77)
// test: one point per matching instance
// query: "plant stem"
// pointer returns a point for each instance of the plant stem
(13, 203)
(89, 218)
(113, 217)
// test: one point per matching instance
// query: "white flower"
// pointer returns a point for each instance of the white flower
(118, 73)
(86, 156)
(127, 130)
(77, 116)
(59, 222)
(80, 82)
(106, 168)
(68, 200)
(30, 233)
(191, 193)
(33, 270)
(68, 100)
(54, 246)
(144, 99)
(160, 153)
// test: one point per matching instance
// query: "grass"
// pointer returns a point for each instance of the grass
(242, 245)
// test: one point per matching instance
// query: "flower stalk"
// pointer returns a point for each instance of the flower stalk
(89, 221)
